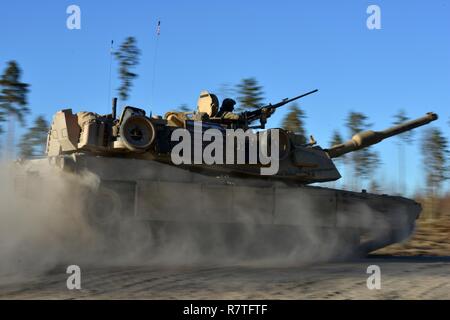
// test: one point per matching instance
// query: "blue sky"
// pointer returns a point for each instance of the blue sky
(289, 46)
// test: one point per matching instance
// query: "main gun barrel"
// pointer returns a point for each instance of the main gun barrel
(367, 138)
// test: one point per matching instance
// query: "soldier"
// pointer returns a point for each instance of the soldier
(226, 110)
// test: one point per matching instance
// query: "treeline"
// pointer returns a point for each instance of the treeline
(14, 107)
(361, 166)
(14, 103)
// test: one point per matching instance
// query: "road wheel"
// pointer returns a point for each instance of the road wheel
(104, 210)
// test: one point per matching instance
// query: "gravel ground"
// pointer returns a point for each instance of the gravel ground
(401, 278)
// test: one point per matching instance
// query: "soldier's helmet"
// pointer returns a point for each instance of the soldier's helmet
(228, 105)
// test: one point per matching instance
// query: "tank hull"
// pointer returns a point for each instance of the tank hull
(183, 202)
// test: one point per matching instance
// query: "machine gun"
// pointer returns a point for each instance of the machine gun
(264, 112)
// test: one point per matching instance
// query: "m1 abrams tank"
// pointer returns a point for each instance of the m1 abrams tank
(131, 155)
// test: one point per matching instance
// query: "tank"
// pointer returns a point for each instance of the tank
(133, 158)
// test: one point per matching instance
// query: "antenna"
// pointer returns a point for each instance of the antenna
(110, 69)
(114, 109)
(158, 31)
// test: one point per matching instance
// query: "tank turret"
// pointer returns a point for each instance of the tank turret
(134, 135)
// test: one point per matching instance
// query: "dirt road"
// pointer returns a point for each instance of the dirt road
(401, 278)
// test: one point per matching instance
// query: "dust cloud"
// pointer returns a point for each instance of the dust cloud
(43, 225)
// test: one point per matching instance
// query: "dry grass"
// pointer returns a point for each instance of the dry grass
(431, 238)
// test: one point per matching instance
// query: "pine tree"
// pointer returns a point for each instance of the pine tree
(435, 161)
(294, 121)
(33, 142)
(403, 140)
(336, 139)
(399, 118)
(13, 94)
(250, 94)
(435, 156)
(128, 58)
(365, 161)
(13, 99)
(226, 90)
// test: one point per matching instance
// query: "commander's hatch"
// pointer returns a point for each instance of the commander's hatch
(208, 104)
